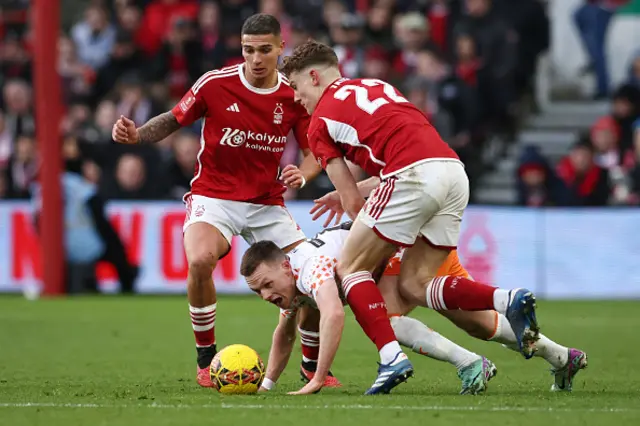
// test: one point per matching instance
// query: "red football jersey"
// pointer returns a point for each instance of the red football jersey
(371, 124)
(244, 133)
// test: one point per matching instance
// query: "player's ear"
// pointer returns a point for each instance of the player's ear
(286, 264)
(315, 77)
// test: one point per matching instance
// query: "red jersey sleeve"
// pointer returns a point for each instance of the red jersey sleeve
(191, 107)
(301, 129)
(322, 145)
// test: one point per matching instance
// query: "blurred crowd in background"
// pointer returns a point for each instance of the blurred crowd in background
(468, 64)
(602, 168)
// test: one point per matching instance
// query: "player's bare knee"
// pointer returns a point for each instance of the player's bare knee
(201, 267)
(414, 280)
(406, 292)
(414, 274)
(412, 288)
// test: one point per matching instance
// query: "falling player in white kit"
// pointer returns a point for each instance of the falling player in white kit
(295, 281)
(300, 274)
(307, 277)
(247, 111)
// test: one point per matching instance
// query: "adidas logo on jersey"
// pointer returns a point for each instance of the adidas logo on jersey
(233, 108)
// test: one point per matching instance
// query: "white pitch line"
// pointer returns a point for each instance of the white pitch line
(321, 407)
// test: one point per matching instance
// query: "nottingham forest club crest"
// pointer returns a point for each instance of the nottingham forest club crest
(277, 114)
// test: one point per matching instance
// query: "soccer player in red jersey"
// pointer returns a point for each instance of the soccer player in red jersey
(420, 190)
(247, 111)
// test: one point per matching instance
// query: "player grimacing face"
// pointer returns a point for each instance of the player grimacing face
(261, 54)
(306, 87)
(274, 282)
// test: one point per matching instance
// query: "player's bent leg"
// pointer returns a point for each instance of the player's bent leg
(355, 269)
(474, 371)
(417, 284)
(439, 235)
(363, 250)
(417, 271)
(204, 244)
(309, 328)
(489, 325)
(396, 304)
(482, 325)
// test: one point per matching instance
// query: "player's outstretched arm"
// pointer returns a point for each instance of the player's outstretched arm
(159, 127)
(346, 186)
(331, 326)
(284, 337)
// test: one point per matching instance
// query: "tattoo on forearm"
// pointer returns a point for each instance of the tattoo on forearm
(158, 128)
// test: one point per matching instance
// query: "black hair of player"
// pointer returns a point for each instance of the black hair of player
(261, 24)
(259, 253)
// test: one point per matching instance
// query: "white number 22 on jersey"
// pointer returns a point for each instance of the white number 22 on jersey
(362, 95)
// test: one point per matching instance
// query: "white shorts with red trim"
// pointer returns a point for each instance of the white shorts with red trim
(427, 200)
(253, 222)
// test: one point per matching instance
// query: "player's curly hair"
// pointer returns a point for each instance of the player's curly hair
(259, 253)
(308, 54)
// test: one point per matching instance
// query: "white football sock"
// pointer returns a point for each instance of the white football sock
(501, 300)
(421, 339)
(504, 333)
(389, 352)
(553, 353)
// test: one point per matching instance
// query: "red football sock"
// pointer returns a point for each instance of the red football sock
(368, 307)
(203, 321)
(310, 342)
(459, 293)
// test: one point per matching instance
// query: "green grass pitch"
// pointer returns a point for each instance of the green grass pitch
(131, 361)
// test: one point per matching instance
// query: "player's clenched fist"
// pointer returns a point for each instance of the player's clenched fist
(124, 131)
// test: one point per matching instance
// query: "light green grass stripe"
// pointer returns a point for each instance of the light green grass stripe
(322, 407)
